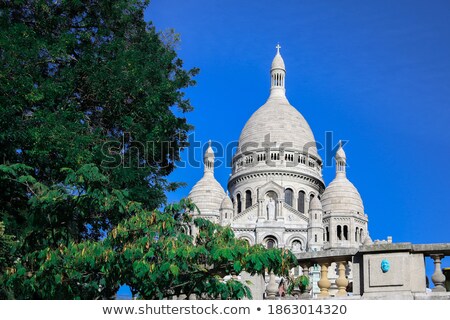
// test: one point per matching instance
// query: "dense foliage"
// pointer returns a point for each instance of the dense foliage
(83, 86)
(91, 124)
(155, 254)
(6, 245)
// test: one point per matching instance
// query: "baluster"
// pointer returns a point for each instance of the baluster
(272, 287)
(324, 284)
(341, 281)
(438, 277)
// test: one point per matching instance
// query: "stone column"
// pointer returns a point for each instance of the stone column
(262, 210)
(279, 211)
(351, 232)
(438, 277)
(341, 281)
(272, 287)
(324, 284)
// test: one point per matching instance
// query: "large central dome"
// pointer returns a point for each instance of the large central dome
(280, 122)
(277, 121)
(276, 143)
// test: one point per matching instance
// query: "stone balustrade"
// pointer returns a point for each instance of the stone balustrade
(377, 271)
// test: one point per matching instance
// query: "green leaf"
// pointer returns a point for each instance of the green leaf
(175, 270)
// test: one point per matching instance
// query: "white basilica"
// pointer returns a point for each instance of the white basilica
(278, 196)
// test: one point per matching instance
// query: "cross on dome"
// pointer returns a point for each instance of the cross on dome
(278, 48)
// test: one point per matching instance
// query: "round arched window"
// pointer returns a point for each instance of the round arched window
(296, 246)
(270, 243)
(288, 196)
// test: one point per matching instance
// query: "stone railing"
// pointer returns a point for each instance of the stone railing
(377, 271)
(437, 252)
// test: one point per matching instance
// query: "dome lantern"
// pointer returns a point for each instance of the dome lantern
(341, 160)
(208, 160)
(277, 75)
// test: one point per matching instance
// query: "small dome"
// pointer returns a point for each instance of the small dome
(207, 194)
(342, 196)
(315, 204)
(340, 153)
(278, 62)
(226, 203)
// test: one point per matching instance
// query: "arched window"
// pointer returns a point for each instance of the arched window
(248, 199)
(296, 246)
(311, 196)
(301, 202)
(356, 234)
(328, 234)
(270, 244)
(361, 235)
(315, 238)
(239, 203)
(288, 196)
(345, 232)
(339, 232)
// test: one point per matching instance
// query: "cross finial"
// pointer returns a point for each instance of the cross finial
(209, 143)
(278, 48)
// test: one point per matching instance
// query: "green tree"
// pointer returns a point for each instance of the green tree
(84, 85)
(6, 245)
(154, 254)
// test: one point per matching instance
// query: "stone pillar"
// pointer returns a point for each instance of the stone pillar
(262, 210)
(351, 232)
(279, 211)
(438, 277)
(272, 287)
(324, 284)
(341, 281)
(306, 203)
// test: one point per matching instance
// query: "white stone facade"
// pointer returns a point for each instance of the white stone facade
(277, 194)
